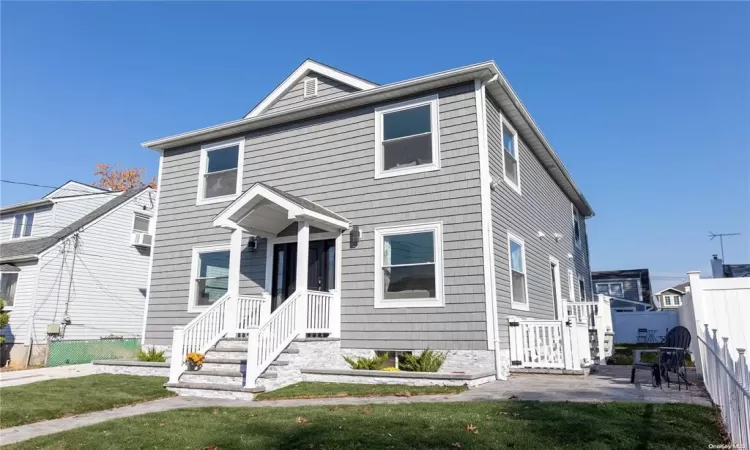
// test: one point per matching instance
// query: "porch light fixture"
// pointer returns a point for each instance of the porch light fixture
(540, 234)
(354, 236)
(557, 236)
(252, 243)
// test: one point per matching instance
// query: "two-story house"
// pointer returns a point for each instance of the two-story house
(673, 297)
(399, 217)
(74, 266)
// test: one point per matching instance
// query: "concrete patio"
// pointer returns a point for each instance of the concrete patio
(604, 384)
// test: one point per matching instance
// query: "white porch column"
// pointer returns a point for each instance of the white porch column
(303, 250)
(335, 319)
(235, 259)
(178, 357)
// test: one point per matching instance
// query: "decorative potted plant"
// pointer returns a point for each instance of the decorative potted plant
(194, 361)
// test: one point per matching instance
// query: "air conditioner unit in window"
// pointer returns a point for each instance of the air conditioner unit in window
(141, 239)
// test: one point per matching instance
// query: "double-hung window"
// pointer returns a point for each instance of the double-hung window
(677, 300)
(221, 171)
(611, 289)
(407, 137)
(517, 263)
(8, 282)
(22, 225)
(210, 277)
(668, 300)
(409, 266)
(581, 290)
(510, 157)
(141, 223)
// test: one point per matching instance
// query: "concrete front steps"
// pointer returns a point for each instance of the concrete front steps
(223, 372)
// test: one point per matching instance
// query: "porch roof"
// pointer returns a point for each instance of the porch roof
(265, 211)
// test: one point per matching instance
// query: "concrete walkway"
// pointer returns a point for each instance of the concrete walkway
(18, 377)
(608, 383)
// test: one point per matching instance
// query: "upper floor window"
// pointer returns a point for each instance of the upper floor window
(510, 157)
(8, 282)
(141, 223)
(667, 300)
(517, 263)
(581, 290)
(409, 266)
(611, 289)
(407, 137)
(22, 224)
(221, 171)
(576, 227)
(677, 300)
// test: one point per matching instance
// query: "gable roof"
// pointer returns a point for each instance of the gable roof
(76, 188)
(488, 73)
(305, 68)
(679, 291)
(29, 249)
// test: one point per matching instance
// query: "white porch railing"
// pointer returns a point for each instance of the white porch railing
(319, 306)
(267, 342)
(728, 383)
(587, 311)
(548, 344)
(250, 311)
(211, 325)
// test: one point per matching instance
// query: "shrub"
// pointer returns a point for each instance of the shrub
(364, 363)
(4, 317)
(428, 361)
(151, 355)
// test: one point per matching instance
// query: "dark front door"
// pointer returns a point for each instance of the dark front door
(321, 269)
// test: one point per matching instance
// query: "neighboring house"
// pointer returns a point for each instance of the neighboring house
(74, 265)
(672, 298)
(721, 270)
(631, 288)
(429, 209)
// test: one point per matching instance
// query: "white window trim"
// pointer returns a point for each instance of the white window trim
(582, 297)
(204, 165)
(513, 304)
(23, 225)
(437, 229)
(609, 291)
(195, 265)
(571, 287)
(18, 280)
(305, 91)
(503, 124)
(142, 214)
(431, 100)
(576, 220)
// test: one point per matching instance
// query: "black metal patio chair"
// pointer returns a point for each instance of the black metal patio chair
(670, 359)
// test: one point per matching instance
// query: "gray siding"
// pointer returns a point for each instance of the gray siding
(43, 222)
(631, 290)
(330, 160)
(327, 90)
(542, 206)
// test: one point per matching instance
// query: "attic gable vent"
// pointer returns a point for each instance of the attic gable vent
(310, 87)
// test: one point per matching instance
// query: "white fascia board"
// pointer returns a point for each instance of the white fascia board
(302, 71)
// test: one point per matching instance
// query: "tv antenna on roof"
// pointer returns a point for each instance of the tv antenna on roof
(721, 236)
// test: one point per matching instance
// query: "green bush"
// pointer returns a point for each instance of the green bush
(428, 361)
(152, 355)
(364, 363)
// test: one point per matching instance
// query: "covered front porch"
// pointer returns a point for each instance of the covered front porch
(304, 242)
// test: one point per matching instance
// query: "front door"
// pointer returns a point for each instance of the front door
(321, 269)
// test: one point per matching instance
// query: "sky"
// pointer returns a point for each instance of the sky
(647, 104)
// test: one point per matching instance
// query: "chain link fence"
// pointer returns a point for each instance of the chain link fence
(63, 352)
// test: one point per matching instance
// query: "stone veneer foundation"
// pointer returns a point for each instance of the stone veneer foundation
(142, 368)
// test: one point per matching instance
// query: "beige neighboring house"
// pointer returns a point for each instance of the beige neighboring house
(672, 298)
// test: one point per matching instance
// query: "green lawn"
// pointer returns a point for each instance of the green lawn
(491, 425)
(66, 397)
(317, 390)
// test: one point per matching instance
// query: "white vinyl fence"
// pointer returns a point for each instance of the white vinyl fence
(626, 324)
(717, 311)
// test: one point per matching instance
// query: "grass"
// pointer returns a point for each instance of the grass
(53, 399)
(320, 390)
(486, 425)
